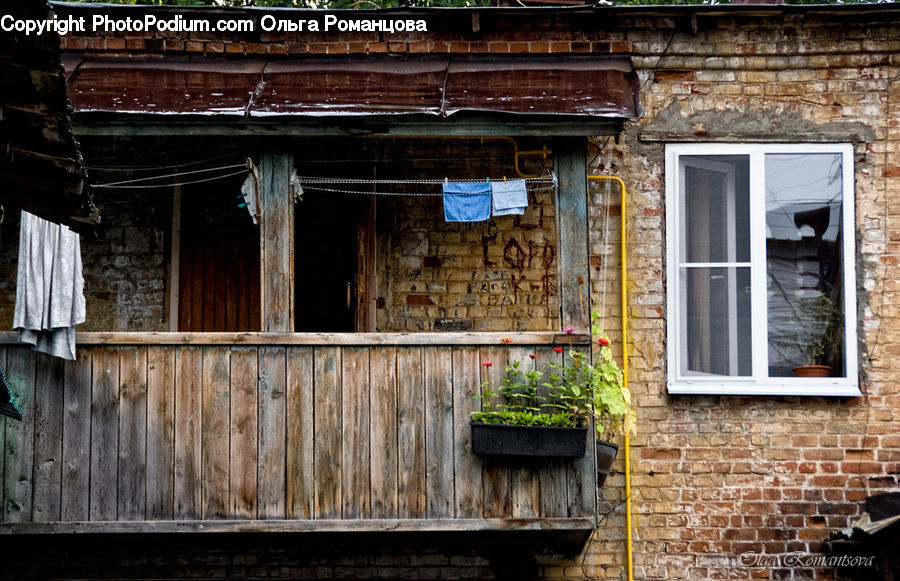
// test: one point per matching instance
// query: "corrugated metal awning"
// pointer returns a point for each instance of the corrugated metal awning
(570, 85)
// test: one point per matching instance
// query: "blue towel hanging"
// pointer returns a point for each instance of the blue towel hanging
(467, 201)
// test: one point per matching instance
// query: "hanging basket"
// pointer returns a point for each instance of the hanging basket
(525, 441)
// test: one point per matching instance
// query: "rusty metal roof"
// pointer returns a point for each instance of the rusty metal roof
(572, 85)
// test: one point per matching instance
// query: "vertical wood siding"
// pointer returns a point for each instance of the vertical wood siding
(171, 432)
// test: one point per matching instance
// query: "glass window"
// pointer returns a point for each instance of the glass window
(761, 290)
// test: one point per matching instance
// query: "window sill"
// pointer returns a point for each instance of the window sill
(810, 387)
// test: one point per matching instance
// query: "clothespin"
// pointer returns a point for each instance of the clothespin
(504, 179)
(296, 187)
(488, 180)
(253, 169)
(446, 181)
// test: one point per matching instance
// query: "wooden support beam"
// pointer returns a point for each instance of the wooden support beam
(575, 290)
(276, 242)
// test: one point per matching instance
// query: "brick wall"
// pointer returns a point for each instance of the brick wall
(495, 275)
(714, 477)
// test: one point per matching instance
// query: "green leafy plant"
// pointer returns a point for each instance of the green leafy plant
(577, 392)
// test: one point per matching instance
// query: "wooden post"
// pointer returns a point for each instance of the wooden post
(175, 261)
(276, 242)
(575, 290)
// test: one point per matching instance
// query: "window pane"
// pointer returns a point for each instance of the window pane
(716, 208)
(718, 325)
(805, 293)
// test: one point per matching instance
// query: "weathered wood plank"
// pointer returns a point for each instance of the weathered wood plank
(243, 274)
(132, 433)
(188, 401)
(160, 433)
(272, 383)
(222, 258)
(196, 282)
(76, 443)
(410, 432)
(574, 285)
(384, 432)
(497, 498)
(582, 480)
(232, 284)
(173, 312)
(277, 238)
(439, 432)
(215, 431)
(104, 434)
(300, 433)
(525, 487)
(243, 458)
(316, 339)
(355, 474)
(209, 286)
(552, 473)
(48, 399)
(257, 127)
(18, 484)
(328, 452)
(466, 465)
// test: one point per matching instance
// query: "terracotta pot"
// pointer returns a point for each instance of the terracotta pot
(813, 371)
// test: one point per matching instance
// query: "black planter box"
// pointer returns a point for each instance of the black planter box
(606, 455)
(501, 440)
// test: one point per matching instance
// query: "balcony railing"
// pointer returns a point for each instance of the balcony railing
(232, 432)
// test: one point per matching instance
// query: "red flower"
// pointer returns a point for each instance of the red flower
(487, 363)
(506, 340)
(568, 330)
(557, 349)
(532, 355)
(603, 342)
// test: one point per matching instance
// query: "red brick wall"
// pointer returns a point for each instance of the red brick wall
(717, 477)
(713, 477)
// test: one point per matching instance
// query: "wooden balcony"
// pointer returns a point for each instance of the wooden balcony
(271, 432)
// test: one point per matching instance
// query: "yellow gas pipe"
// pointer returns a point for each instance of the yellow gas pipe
(629, 548)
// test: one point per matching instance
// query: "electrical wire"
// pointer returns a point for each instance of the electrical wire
(122, 168)
(125, 183)
(169, 185)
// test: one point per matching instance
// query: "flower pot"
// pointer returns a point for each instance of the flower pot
(813, 371)
(606, 454)
(533, 441)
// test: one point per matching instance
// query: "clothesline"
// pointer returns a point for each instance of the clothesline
(319, 184)
(330, 180)
(315, 188)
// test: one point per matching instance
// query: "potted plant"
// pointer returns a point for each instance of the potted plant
(519, 420)
(816, 340)
(577, 394)
(610, 400)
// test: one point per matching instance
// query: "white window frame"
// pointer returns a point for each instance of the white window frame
(759, 383)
